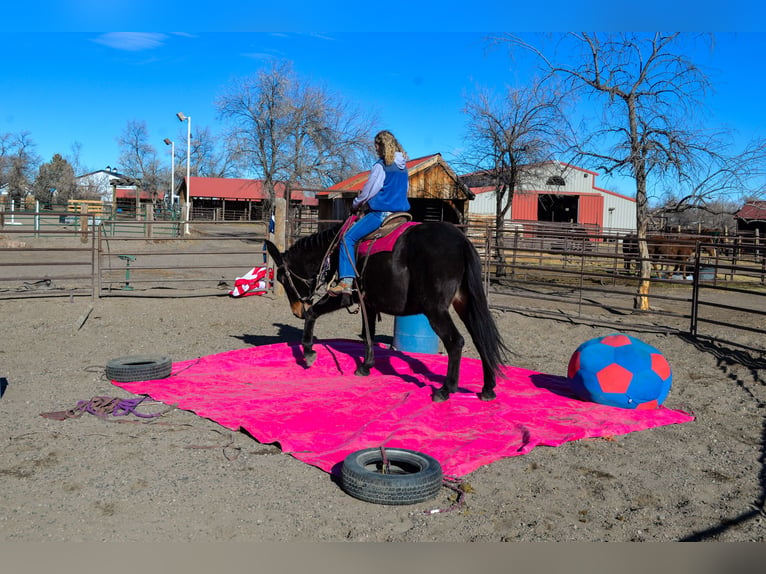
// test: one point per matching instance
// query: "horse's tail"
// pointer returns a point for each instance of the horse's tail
(478, 318)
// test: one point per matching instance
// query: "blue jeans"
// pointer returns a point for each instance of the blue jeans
(360, 229)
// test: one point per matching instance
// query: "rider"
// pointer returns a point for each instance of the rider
(384, 192)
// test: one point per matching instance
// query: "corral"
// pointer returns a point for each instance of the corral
(92, 479)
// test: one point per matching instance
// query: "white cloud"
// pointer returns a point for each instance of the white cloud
(132, 41)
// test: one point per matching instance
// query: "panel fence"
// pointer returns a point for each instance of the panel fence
(571, 274)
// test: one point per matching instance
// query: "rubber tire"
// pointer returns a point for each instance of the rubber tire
(418, 476)
(138, 368)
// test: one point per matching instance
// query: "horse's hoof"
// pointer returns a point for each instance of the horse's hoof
(310, 357)
(487, 395)
(362, 371)
(439, 396)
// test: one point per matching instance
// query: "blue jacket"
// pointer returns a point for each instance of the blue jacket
(386, 188)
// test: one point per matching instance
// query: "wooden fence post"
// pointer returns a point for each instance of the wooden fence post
(148, 218)
(83, 223)
(280, 233)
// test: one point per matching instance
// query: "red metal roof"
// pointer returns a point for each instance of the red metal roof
(483, 189)
(241, 189)
(356, 183)
(130, 193)
(752, 210)
(227, 188)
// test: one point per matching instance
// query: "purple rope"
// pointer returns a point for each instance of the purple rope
(128, 406)
(123, 407)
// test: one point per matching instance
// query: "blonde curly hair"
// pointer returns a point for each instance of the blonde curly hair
(389, 145)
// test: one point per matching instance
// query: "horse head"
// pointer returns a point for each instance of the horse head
(298, 287)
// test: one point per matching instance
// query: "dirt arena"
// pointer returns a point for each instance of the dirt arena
(183, 478)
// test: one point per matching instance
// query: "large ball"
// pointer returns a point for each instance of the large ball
(620, 371)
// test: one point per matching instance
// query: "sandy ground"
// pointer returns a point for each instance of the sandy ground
(184, 478)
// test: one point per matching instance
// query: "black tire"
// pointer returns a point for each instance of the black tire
(412, 477)
(138, 368)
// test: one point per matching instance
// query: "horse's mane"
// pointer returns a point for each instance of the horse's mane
(317, 241)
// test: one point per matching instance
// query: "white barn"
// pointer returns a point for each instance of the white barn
(558, 192)
(99, 182)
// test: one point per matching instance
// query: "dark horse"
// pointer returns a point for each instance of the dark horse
(432, 266)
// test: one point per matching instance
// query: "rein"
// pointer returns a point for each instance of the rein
(303, 280)
(319, 279)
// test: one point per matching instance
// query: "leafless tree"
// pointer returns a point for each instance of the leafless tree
(208, 157)
(719, 187)
(75, 159)
(506, 136)
(649, 95)
(138, 157)
(283, 129)
(18, 162)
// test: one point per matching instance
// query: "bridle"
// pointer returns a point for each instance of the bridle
(307, 301)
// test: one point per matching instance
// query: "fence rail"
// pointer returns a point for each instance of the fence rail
(589, 276)
(573, 274)
(138, 258)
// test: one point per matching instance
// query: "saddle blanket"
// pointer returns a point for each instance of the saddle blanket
(386, 243)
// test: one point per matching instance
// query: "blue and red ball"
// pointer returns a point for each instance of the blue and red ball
(620, 371)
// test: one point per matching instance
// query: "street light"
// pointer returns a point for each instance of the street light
(187, 119)
(172, 170)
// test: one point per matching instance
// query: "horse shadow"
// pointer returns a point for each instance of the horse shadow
(383, 353)
(284, 333)
(418, 373)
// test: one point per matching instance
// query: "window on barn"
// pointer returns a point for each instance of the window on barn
(555, 180)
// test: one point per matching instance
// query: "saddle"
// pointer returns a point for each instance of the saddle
(385, 236)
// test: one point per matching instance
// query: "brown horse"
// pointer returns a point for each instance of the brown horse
(669, 254)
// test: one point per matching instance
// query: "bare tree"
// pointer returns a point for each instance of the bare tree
(505, 137)
(649, 94)
(75, 159)
(18, 162)
(720, 186)
(138, 157)
(282, 129)
(208, 158)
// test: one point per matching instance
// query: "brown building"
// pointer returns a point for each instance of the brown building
(436, 193)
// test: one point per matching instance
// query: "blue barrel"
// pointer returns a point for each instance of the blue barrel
(413, 334)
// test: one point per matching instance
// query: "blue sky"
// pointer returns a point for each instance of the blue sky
(66, 87)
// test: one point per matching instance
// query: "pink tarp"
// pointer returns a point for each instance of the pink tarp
(321, 414)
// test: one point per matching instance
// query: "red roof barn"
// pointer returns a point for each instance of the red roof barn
(219, 198)
(751, 218)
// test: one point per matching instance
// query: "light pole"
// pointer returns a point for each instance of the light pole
(172, 145)
(187, 209)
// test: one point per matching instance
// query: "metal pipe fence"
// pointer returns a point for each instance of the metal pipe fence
(127, 258)
(575, 275)
(589, 277)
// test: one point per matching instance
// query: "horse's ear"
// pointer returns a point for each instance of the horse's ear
(274, 252)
